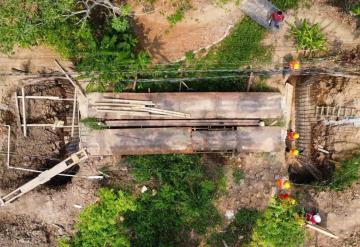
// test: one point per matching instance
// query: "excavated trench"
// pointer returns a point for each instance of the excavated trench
(317, 100)
(44, 147)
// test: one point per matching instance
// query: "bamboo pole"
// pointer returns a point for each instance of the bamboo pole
(75, 84)
(23, 110)
(50, 125)
(73, 114)
(46, 98)
(321, 230)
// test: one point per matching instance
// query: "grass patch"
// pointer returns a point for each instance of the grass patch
(93, 123)
(238, 233)
(242, 47)
(286, 4)
(347, 174)
(238, 174)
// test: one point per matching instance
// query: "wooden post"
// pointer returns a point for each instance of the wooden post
(23, 110)
(250, 81)
(75, 84)
(73, 114)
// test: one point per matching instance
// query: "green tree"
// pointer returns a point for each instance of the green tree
(100, 224)
(26, 22)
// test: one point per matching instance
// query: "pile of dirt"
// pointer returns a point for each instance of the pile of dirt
(21, 230)
(351, 58)
(204, 23)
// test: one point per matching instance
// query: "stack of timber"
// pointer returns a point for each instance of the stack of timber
(135, 108)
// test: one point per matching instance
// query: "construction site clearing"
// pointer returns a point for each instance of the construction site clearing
(54, 161)
(160, 123)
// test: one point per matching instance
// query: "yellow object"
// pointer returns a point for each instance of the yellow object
(296, 136)
(295, 65)
(287, 185)
(294, 152)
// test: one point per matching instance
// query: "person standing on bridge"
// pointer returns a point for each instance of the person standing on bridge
(276, 17)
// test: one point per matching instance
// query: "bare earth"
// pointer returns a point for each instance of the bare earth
(203, 25)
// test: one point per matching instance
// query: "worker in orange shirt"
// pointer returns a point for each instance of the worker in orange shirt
(291, 67)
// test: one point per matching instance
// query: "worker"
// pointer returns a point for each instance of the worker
(294, 152)
(291, 67)
(292, 135)
(276, 17)
(282, 183)
(313, 218)
(294, 65)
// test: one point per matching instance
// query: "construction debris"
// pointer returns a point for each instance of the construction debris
(45, 177)
(134, 107)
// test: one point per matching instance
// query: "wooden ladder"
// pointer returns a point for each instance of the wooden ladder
(329, 112)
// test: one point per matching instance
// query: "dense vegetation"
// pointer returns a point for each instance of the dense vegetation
(96, 38)
(100, 224)
(179, 200)
(346, 174)
(280, 225)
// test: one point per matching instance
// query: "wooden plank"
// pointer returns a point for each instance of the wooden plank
(23, 110)
(180, 122)
(145, 109)
(119, 104)
(128, 101)
(73, 113)
(74, 83)
(45, 176)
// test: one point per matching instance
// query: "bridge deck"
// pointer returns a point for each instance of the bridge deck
(183, 140)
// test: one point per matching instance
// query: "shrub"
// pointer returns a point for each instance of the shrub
(308, 37)
(182, 202)
(356, 9)
(100, 224)
(346, 174)
(280, 225)
(179, 14)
